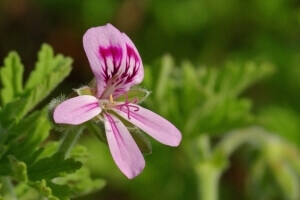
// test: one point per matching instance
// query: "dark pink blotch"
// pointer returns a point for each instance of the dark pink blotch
(116, 55)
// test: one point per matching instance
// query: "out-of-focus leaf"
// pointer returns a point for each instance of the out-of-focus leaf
(62, 192)
(219, 114)
(45, 190)
(274, 166)
(232, 79)
(167, 64)
(282, 121)
(191, 89)
(81, 183)
(202, 99)
(18, 168)
(25, 192)
(287, 179)
(235, 78)
(11, 75)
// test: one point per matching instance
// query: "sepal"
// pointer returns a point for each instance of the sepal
(141, 140)
(134, 94)
(85, 90)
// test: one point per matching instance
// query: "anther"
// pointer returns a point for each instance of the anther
(111, 98)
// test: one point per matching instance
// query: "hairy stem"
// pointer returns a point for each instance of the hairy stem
(69, 140)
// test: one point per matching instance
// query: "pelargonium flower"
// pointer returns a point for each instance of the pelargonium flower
(117, 67)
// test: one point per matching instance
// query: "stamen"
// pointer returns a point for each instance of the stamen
(111, 98)
(126, 104)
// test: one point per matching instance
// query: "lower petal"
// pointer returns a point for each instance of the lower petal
(77, 110)
(123, 148)
(154, 125)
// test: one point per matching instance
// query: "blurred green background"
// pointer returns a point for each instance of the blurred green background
(209, 33)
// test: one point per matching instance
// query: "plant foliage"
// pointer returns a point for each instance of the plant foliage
(27, 158)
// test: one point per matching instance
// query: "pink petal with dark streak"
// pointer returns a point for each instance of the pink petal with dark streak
(77, 110)
(114, 60)
(123, 148)
(152, 124)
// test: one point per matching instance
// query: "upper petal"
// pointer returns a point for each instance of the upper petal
(114, 60)
(154, 125)
(123, 148)
(77, 110)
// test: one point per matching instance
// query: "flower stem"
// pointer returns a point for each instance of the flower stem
(208, 181)
(208, 167)
(69, 140)
(7, 189)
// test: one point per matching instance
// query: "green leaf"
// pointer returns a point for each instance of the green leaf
(18, 168)
(234, 78)
(79, 152)
(26, 136)
(81, 183)
(167, 65)
(47, 63)
(282, 121)
(44, 189)
(190, 87)
(51, 167)
(11, 75)
(41, 90)
(207, 98)
(49, 149)
(44, 79)
(62, 192)
(3, 137)
(34, 96)
(25, 192)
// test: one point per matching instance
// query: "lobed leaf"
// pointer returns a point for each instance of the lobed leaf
(11, 78)
(25, 137)
(202, 99)
(46, 64)
(50, 71)
(80, 182)
(18, 168)
(44, 190)
(51, 167)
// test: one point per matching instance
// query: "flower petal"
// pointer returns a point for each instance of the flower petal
(114, 60)
(151, 123)
(123, 148)
(77, 110)
(134, 70)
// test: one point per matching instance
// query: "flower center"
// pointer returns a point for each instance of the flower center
(126, 106)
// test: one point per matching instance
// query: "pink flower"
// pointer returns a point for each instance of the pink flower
(117, 66)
